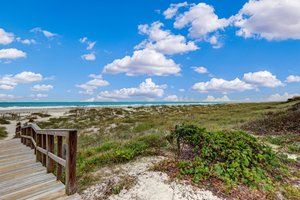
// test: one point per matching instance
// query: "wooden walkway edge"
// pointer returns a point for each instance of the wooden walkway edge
(21, 177)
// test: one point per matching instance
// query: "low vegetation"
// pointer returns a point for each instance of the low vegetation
(230, 157)
(3, 132)
(4, 121)
(220, 156)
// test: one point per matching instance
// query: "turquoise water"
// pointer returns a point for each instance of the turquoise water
(20, 105)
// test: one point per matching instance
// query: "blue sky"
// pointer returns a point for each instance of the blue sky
(150, 50)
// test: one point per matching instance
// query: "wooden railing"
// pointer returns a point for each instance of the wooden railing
(48, 145)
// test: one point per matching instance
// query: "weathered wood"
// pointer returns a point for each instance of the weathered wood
(59, 154)
(38, 145)
(44, 147)
(71, 140)
(57, 159)
(50, 148)
(43, 142)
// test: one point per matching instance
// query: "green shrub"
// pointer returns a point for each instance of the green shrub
(4, 121)
(3, 132)
(233, 157)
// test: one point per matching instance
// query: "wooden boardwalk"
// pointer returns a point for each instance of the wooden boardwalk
(22, 177)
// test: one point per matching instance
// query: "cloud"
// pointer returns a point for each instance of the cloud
(90, 86)
(262, 78)
(90, 44)
(221, 85)
(163, 41)
(171, 98)
(143, 62)
(203, 23)
(281, 97)
(26, 41)
(200, 70)
(215, 99)
(6, 97)
(83, 40)
(181, 90)
(251, 80)
(292, 78)
(9, 82)
(6, 37)
(172, 10)
(11, 53)
(46, 33)
(89, 56)
(146, 90)
(42, 87)
(38, 96)
(269, 19)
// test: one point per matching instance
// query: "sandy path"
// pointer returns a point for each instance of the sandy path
(149, 185)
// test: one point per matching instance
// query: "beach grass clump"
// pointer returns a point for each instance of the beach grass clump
(4, 121)
(3, 132)
(233, 157)
(288, 143)
(39, 114)
(112, 152)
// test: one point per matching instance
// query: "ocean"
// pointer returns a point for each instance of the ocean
(28, 105)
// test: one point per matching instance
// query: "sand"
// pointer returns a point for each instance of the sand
(149, 185)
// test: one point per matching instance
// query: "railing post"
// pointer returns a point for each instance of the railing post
(35, 140)
(71, 141)
(31, 135)
(44, 147)
(59, 154)
(50, 148)
(38, 144)
(18, 130)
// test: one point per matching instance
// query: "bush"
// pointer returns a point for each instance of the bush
(3, 133)
(232, 157)
(4, 121)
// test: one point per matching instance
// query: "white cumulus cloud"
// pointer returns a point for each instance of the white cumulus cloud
(9, 82)
(11, 53)
(262, 78)
(269, 19)
(146, 90)
(200, 70)
(292, 78)
(221, 85)
(6, 37)
(42, 87)
(90, 86)
(26, 41)
(217, 99)
(89, 56)
(164, 41)
(172, 10)
(6, 97)
(143, 62)
(281, 97)
(203, 23)
(171, 98)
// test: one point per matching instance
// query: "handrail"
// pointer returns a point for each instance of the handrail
(43, 142)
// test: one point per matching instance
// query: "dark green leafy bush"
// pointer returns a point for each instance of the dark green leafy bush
(4, 121)
(233, 157)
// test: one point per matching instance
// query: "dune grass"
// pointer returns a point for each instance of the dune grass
(114, 135)
(3, 133)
